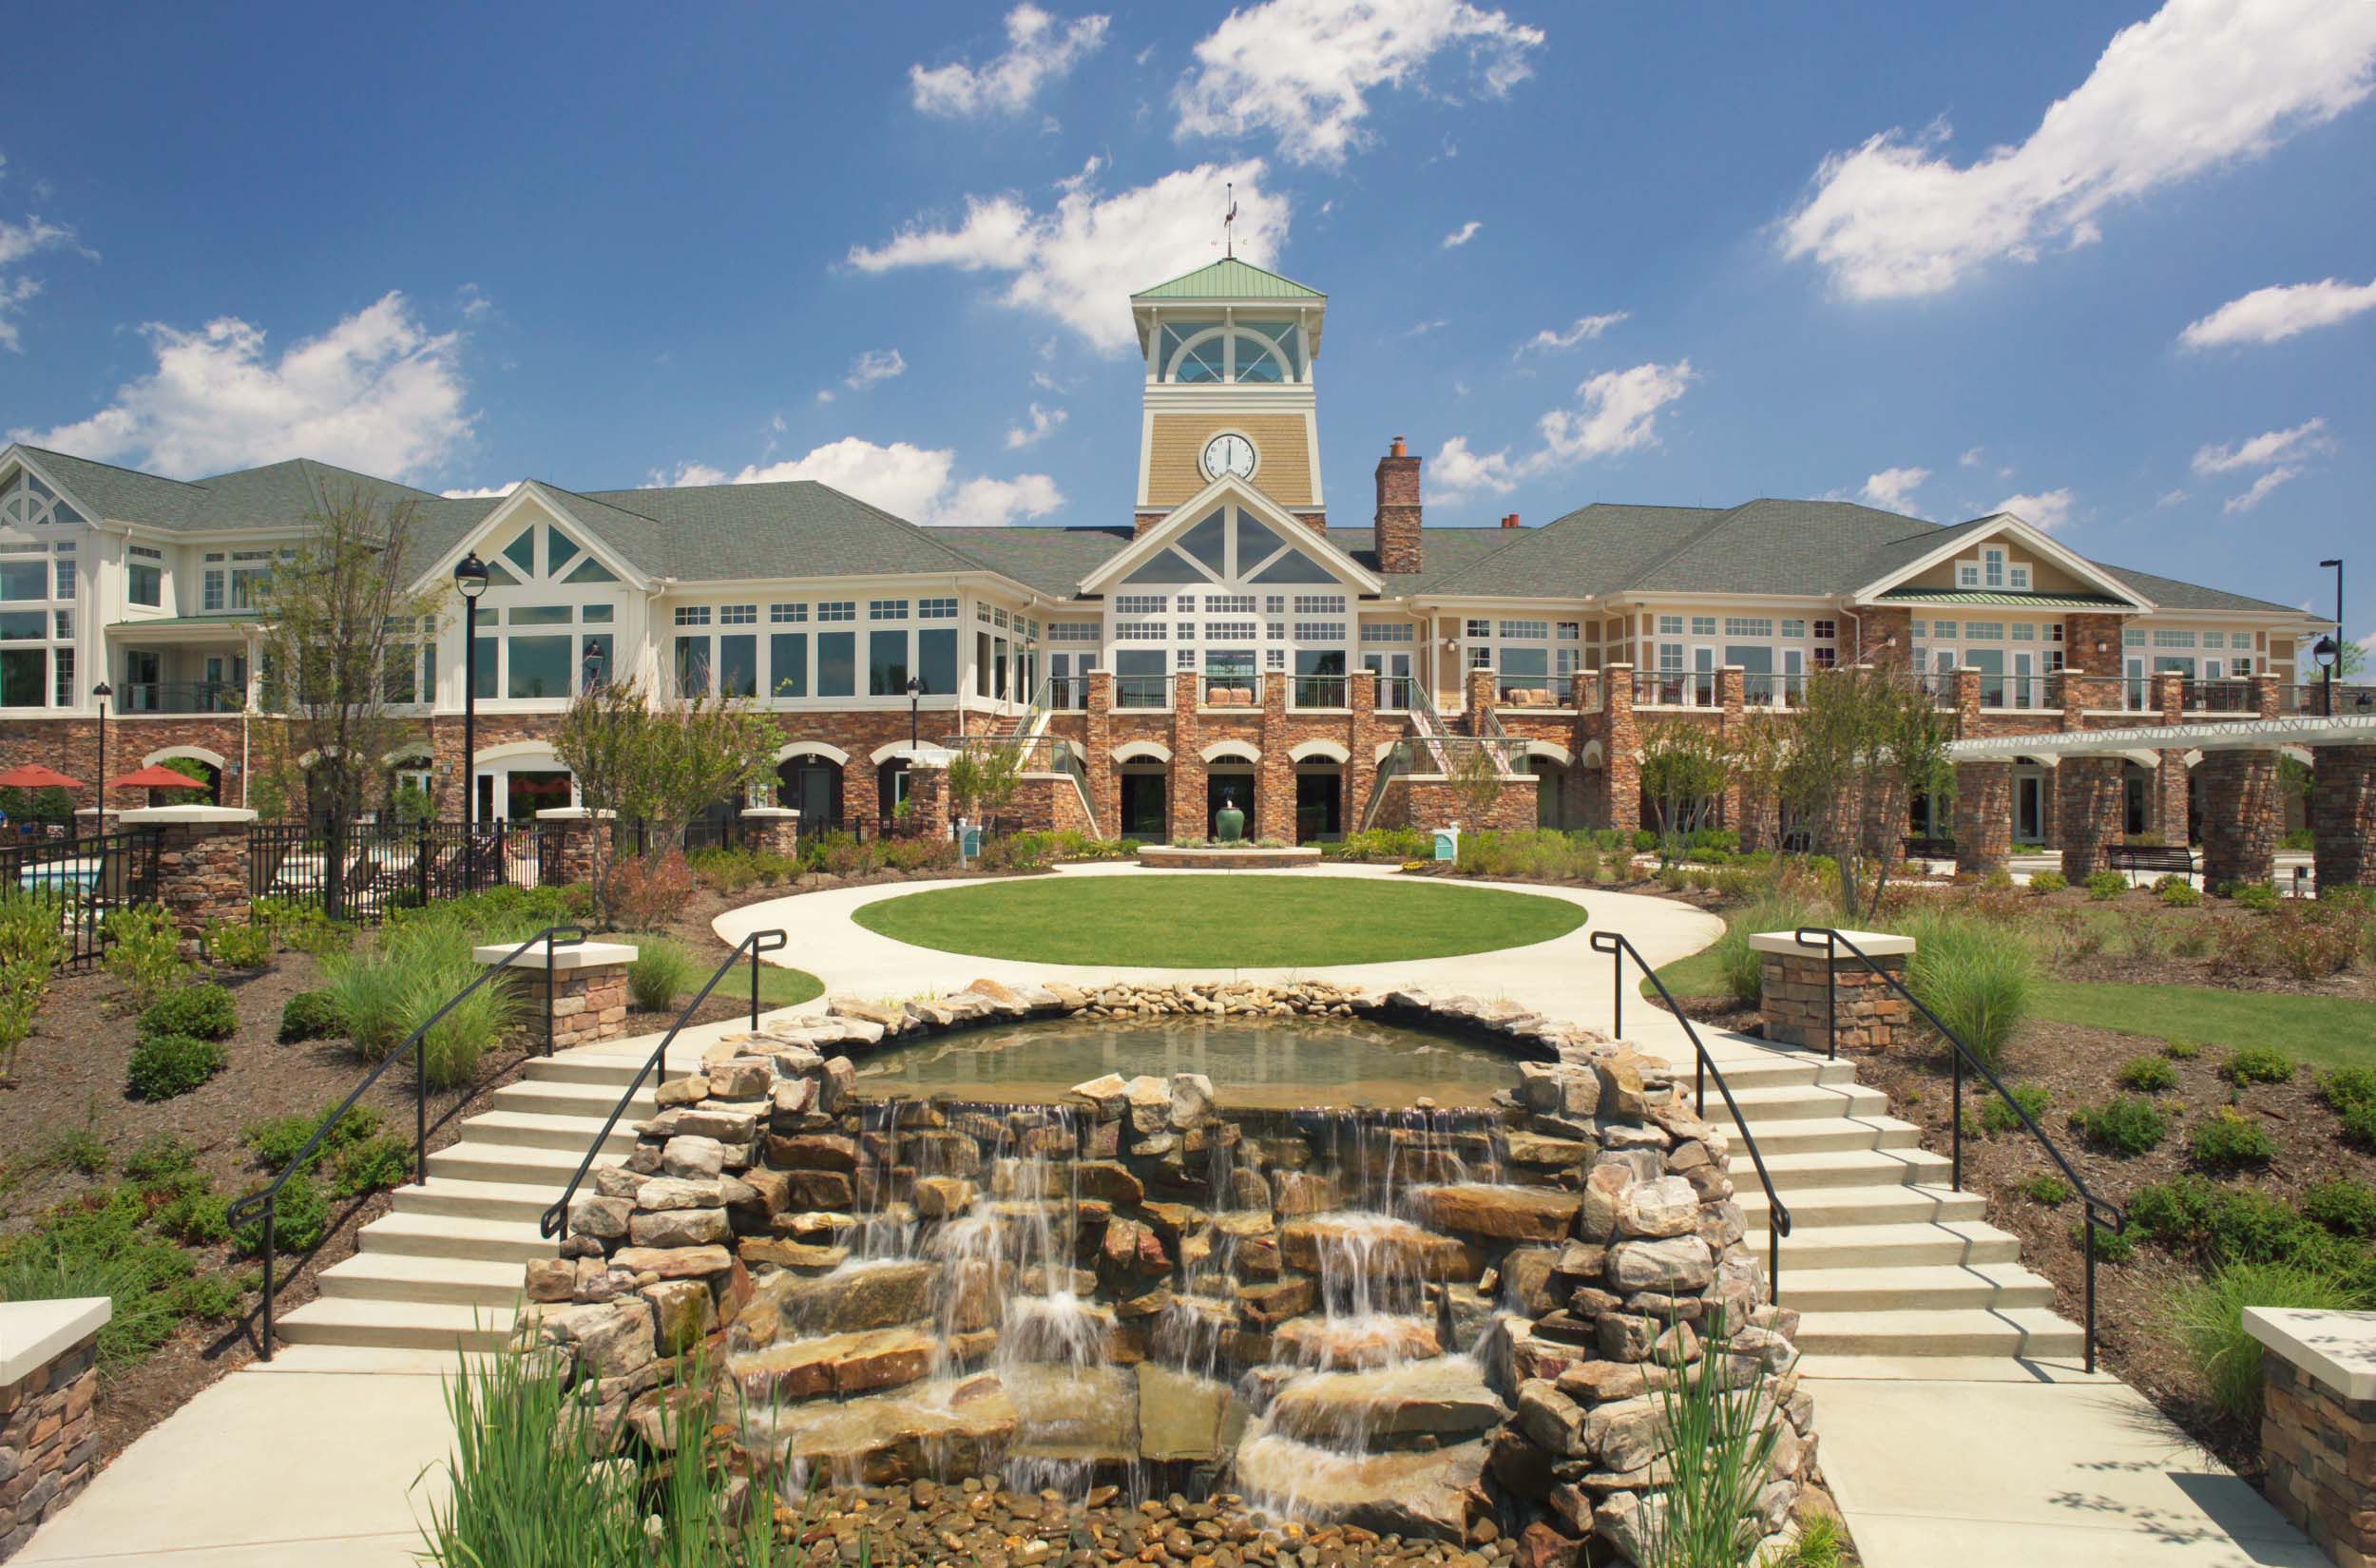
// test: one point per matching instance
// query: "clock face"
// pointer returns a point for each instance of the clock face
(1232, 454)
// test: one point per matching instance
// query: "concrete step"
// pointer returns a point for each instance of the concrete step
(1797, 1102)
(409, 1234)
(413, 1277)
(485, 1200)
(1799, 1171)
(559, 1097)
(1772, 1070)
(527, 1130)
(1954, 1331)
(397, 1325)
(571, 1068)
(474, 1159)
(1938, 1287)
(1793, 1137)
(1811, 1247)
(1824, 1206)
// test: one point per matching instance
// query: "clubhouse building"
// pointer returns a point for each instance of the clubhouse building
(1227, 634)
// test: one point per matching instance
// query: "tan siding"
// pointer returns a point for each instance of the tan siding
(1178, 441)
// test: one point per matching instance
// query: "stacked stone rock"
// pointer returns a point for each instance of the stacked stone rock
(48, 1441)
(1604, 1244)
(2319, 1443)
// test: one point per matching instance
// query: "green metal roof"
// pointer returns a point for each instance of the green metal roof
(2005, 601)
(1229, 278)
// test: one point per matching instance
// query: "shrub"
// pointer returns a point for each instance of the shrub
(2110, 1246)
(301, 1219)
(81, 1149)
(2260, 897)
(2305, 938)
(2193, 1214)
(2122, 1126)
(144, 952)
(1978, 978)
(204, 1011)
(2142, 929)
(2181, 1050)
(275, 1140)
(2043, 883)
(2346, 1087)
(2195, 939)
(662, 971)
(310, 1015)
(2210, 1320)
(2176, 892)
(2256, 1065)
(2107, 885)
(100, 1250)
(646, 891)
(159, 1155)
(194, 1213)
(165, 1065)
(2344, 1205)
(2227, 1141)
(1997, 1117)
(234, 945)
(2047, 1189)
(369, 1165)
(2148, 1075)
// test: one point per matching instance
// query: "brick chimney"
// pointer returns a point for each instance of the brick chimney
(1398, 510)
(1509, 519)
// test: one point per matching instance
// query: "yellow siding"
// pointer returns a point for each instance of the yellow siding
(1284, 472)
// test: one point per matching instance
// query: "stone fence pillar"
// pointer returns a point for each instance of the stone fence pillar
(776, 829)
(589, 987)
(2242, 815)
(2342, 815)
(201, 861)
(1984, 817)
(1867, 1016)
(928, 797)
(2318, 1423)
(48, 1376)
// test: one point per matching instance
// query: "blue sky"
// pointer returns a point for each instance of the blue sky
(2111, 264)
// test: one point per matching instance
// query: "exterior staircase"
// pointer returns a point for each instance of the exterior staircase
(1884, 1259)
(443, 1269)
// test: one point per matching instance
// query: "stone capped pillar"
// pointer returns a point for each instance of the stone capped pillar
(1186, 797)
(1732, 703)
(2091, 793)
(1621, 767)
(1967, 701)
(1273, 813)
(1984, 817)
(1364, 731)
(589, 987)
(1477, 697)
(201, 861)
(2342, 815)
(2243, 814)
(776, 829)
(2318, 1409)
(1106, 779)
(49, 1437)
(927, 795)
(2266, 694)
(1862, 1012)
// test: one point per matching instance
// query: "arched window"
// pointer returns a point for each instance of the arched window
(1264, 352)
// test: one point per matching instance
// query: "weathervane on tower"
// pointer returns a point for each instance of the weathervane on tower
(1229, 236)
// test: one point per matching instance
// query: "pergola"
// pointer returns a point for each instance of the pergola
(2242, 811)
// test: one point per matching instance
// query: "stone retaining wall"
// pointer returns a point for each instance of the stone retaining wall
(48, 1434)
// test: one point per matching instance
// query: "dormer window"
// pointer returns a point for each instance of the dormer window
(1966, 574)
(2017, 578)
(1992, 565)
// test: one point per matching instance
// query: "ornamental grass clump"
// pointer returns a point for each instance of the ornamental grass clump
(1720, 1435)
(662, 971)
(1742, 967)
(1979, 979)
(2209, 1320)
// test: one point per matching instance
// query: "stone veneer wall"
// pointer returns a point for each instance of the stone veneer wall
(1871, 1015)
(2342, 814)
(48, 1441)
(2321, 1448)
(1614, 1231)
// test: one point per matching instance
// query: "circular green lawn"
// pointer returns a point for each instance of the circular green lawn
(1218, 922)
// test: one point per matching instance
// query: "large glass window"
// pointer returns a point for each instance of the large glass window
(490, 663)
(887, 663)
(837, 664)
(25, 578)
(936, 660)
(23, 672)
(540, 667)
(739, 665)
(693, 666)
(148, 585)
(788, 664)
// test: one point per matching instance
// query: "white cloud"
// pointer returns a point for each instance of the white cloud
(2261, 450)
(1044, 423)
(2283, 474)
(2199, 83)
(1040, 48)
(2048, 509)
(1892, 489)
(378, 393)
(1584, 329)
(1300, 70)
(1462, 234)
(2274, 315)
(2168, 500)
(488, 493)
(1074, 263)
(1970, 458)
(916, 483)
(873, 365)
(1420, 329)
(19, 242)
(1616, 412)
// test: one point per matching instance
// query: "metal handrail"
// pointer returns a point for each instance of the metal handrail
(268, 1197)
(1832, 943)
(1778, 1216)
(554, 1222)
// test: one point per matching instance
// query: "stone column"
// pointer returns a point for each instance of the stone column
(48, 1438)
(1273, 814)
(1106, 782)
(1364, 730)
(776, 829)
(1477, 697)
(1984, 817)
(1621, 767)
(1732, 703)
(201, 861)
(2318, 1411)
(2265, 695)
(589, 987)
(1865, 1015)
(2168, 817)
(2242, 817)
(2091, 794)
(2342, 815)
(1187, 781)
(1967, 701)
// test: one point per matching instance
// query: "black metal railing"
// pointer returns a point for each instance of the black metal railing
(1319, 691)
(81, 880)
(365, 868)
(554, 1222)
(1778, 1220)
(2094, 1210)
(267, 1197)
(2228, 696)
(1393, 692)
(1142, 691)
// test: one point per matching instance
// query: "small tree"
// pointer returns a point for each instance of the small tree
(1865, 742)
(661, 762)
(1474, 775)
(983, 780)
(336, 614)
(1685, 767)
(1760, 745)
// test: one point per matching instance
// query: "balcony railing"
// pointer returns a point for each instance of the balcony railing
(2220, 697)
(1232, 691)
(2137, 695)
(1675, 689)
(1773, 691)
(1319, 691)
(1068, 693)
(179, 697)
(1530, 692)
(1393, 693)
(1142, 691)
(2310, 698)
(2013, 693)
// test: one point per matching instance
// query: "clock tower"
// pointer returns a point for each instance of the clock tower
(1229, 351)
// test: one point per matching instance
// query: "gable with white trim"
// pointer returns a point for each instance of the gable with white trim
(1231, 536)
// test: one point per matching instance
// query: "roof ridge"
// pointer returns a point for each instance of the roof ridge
(599, 498)
(113, 468)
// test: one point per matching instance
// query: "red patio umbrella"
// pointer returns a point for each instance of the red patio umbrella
(33, 775)
(155, 777)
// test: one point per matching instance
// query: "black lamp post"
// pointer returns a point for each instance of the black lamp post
(590, 672)
(2334, 661)
(470, 580)
(99, 823)
(916, 690)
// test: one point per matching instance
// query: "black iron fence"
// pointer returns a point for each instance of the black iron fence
(367, 868)
(81, 880)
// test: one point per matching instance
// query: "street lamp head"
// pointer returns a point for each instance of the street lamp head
(2337, 562)
(103, 691)
(915, 685)
(469, 576)
(2325, 652)
(593, 668)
